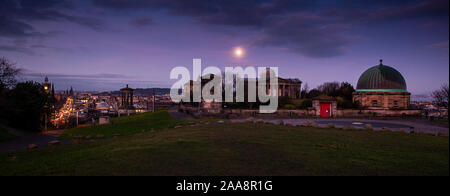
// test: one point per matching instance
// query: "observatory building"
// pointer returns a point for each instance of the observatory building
(382, 87)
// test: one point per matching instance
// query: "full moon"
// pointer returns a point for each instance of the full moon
(238, 52)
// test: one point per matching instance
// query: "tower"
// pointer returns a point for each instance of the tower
(127, 98)
(46, 85)
(53, 92)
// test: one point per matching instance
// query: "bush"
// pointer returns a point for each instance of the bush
(294, 103)
(237, 105)
(305, 104)
(283, 101)
(289, 106)
(345, 103)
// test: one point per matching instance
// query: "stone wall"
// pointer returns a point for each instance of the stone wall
(377, 113)
(305, 113)
(386, 100)
(280, 113)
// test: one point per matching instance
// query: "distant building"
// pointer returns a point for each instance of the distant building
(126, 98)
(47, 85)
(287, 88)
(103, 107)
(382, 87)
(381, 92)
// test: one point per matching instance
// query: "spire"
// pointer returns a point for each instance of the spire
(381, 62)
(46, 79)
(53, 91)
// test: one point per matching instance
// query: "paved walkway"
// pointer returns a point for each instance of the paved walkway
(422, 126)
(396, 125)
(40, 139)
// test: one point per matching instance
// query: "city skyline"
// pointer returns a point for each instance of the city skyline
(99, 45)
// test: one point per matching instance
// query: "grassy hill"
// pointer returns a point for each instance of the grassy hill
(232, 149)
(127, 125)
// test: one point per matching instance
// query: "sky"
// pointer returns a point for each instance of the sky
(106, 44)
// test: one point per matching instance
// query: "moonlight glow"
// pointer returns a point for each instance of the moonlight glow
(238, 52)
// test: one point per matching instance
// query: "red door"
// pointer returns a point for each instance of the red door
(325, 110)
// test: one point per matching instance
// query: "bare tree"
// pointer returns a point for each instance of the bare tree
(329, 88)
(8, 73)
(304, 91)
(441, 97)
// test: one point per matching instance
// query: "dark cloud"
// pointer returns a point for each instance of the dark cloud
(142, 22)
(314, 28)
(430, 8)
(103, 81)
(80, 76)
(307, 34)
(223, 12)
(439, 45)
(14, 28)
(15, 48)
(16, 16)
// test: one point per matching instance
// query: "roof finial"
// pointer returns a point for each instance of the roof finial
(381, 61)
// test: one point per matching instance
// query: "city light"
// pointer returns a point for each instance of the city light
(64, 113)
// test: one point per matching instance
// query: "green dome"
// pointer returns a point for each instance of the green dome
(381, 78)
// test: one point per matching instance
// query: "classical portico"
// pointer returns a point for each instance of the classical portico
(289, 88)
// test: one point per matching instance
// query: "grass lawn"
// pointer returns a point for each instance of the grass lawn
(6, 136)
(126, 126)
(234, 149)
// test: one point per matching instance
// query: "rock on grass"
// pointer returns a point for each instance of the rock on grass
(32, 146)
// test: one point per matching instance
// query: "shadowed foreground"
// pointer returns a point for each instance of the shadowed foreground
(240, 149)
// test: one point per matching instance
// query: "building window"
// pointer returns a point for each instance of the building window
(374, 102)
(395, 103)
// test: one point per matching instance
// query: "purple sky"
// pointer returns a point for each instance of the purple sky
(105, 44)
